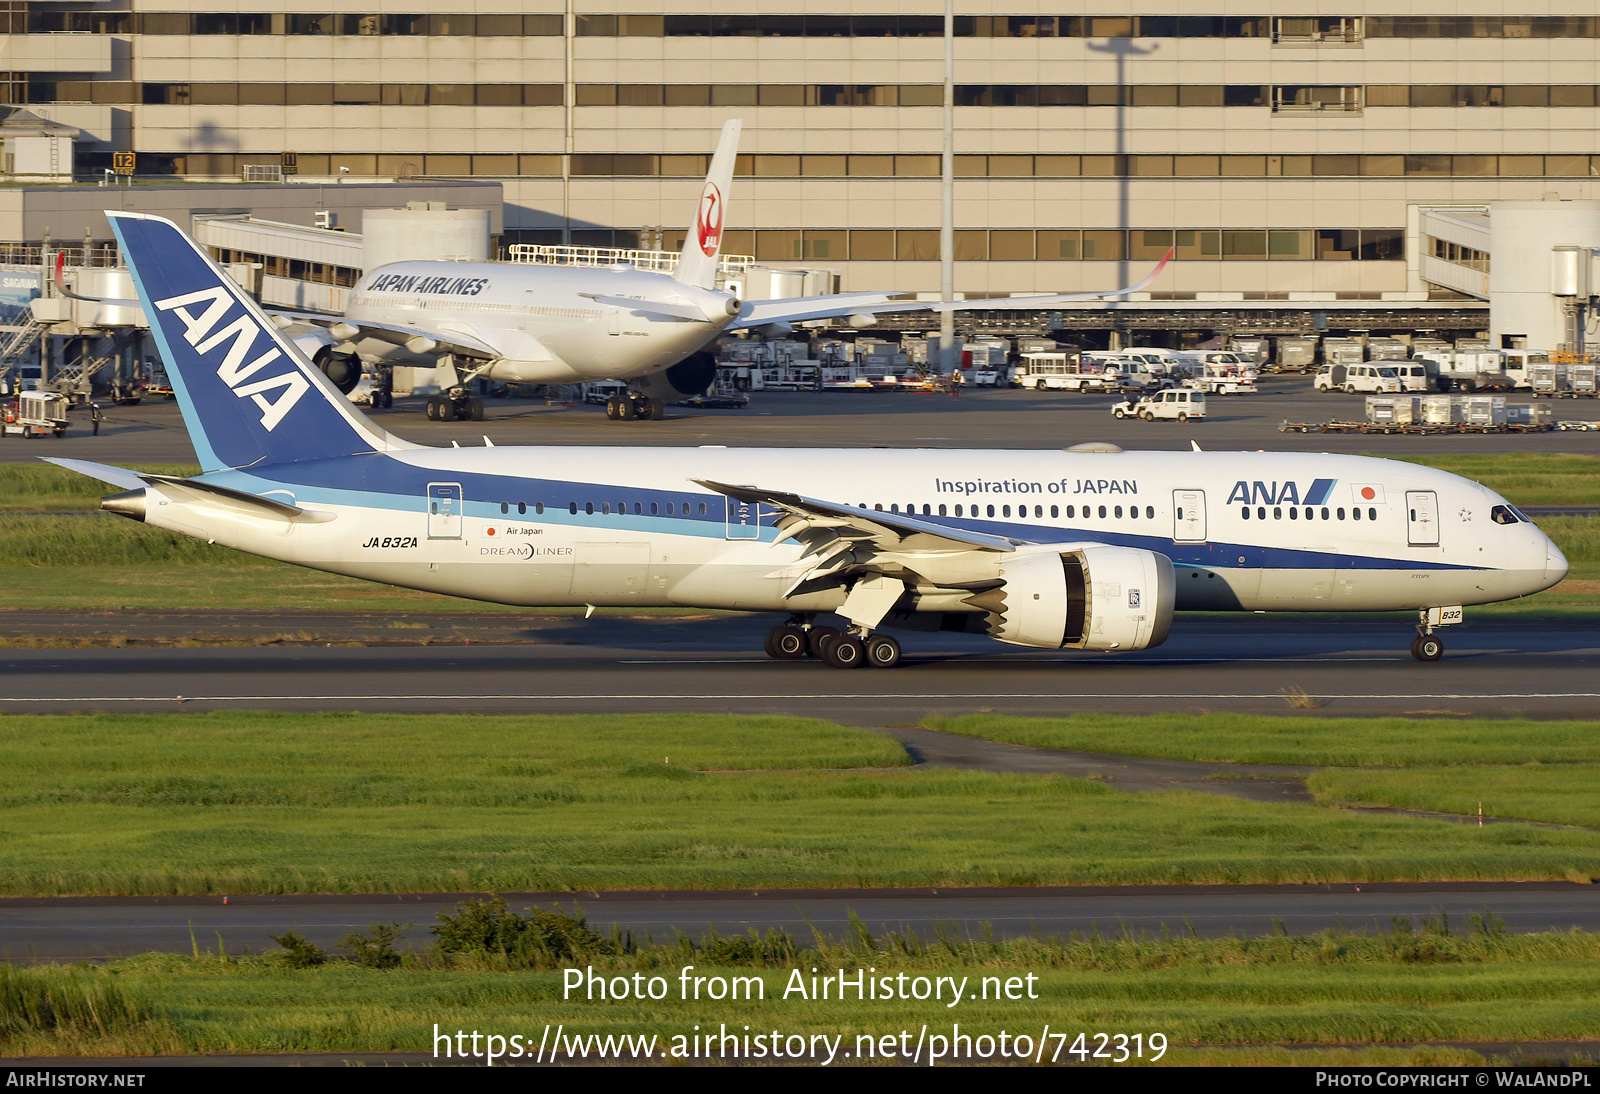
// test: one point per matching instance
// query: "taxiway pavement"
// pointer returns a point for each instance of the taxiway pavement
(618, 662)
(96, 928)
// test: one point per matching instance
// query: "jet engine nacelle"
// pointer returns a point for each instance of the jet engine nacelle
(1089, 597)
(321, 348)
(690, 376)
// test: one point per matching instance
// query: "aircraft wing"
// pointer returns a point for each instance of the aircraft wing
(883, 552)
(346, 329)
(887, 531)
(760, 312)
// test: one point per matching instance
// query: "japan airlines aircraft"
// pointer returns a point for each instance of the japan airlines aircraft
(1090, 550)
(567, 324)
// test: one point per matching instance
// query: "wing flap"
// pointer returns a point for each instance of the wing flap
(397, 334)
(884, 530)
(758, 313)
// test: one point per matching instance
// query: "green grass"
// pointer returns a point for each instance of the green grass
(1526, 478)
(241, 802)
(1269, 739)
(1527, 770)
(1335, 988)
(1557, 794)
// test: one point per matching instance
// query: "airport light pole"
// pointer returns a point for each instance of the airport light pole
(947, 224)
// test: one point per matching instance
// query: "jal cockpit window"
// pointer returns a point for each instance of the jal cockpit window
(1504, 514)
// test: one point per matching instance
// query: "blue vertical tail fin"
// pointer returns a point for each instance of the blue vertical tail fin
(249, 397)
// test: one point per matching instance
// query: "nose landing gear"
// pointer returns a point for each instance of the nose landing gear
(842, 649)
(1427, 646)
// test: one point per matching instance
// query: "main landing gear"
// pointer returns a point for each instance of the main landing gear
(633, 406)
(842, 649)
(455, 408)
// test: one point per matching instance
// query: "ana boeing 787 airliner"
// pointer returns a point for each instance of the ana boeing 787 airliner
(1078, 549)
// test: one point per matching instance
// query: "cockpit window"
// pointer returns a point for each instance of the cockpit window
(1504, 514)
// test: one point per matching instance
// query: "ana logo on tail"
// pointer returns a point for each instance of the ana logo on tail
(234, 370)
(708, 225)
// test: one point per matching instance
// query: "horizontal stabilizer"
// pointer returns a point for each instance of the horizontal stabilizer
(662, 308)
(116, 476)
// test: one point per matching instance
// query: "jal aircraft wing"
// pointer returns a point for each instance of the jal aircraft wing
(442, 341)
(761, 312)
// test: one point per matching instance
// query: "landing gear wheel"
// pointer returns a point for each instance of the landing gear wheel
(883, 652)
(846, 652)
(1427, 647)
(787, 643)
(433, 408)
(819, 638)
(475, 409)
(650, 410)
(619, 409)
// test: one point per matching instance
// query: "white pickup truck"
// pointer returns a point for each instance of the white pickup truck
(1182, 404)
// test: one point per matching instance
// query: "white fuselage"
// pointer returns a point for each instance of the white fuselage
(630, 526)
(542, 326)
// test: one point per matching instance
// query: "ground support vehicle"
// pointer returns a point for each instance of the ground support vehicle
(1222, 380)
(1295, 355)
(598, 391)
(1478, 370)
(35, 414)
(1425, 427)
(1561, 380)
(1065, 372)
(1355, 379)
(1181, 405)
(1579, 426)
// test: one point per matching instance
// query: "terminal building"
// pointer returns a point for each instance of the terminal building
(1291, 160)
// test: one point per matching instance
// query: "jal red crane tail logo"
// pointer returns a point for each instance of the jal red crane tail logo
(708, 223)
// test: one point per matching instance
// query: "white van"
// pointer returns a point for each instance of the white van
(1413, 376)
(1370, 379)
(1181, 404)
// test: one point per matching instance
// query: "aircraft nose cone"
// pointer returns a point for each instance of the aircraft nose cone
(1555, 563)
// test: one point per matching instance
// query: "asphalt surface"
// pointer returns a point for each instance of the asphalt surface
(980, 418)
(94, 928)
(618, 662)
